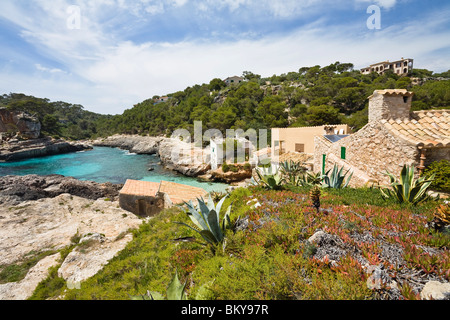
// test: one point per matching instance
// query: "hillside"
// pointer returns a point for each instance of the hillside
(310, 97)
(279, 247)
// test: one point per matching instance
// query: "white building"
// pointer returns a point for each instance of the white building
(400, 67)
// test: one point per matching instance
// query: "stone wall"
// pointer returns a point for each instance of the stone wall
(436, 154)
(372, 151)
(144, 206)
(392, 105)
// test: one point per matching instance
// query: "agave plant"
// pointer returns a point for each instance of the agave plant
(311, 179)
(205, 216)
(292, 171)
(175, 291)
(269, 180)
(407, 189)
(336, 178)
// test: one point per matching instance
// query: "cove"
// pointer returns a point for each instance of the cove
(104, 164)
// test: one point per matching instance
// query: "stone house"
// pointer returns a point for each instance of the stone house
(146, 199)
(393, 137)
(400, 67)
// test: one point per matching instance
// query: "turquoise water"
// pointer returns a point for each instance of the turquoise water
(103, 164)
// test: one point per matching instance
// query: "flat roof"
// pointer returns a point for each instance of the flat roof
(178, 193)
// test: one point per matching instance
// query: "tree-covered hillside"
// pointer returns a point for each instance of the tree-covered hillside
(312, 96)
(58, 119)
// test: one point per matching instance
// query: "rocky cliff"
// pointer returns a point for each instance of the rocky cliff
(20, 123)
(175, 154)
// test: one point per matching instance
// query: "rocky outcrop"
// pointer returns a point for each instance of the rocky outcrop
(175, 154)
(133, 143)
(20, 123)
(15, 149)
(16, 189)
(184, 157)
(230, 176)
(51, 224)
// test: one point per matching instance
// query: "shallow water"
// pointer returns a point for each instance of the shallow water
(103, 164)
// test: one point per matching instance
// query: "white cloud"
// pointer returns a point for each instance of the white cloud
(108, 74)
(49, 70)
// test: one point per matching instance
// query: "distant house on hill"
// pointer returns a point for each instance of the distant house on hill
(233, 80)
(400, 67)
(394, 136)
(162, 99)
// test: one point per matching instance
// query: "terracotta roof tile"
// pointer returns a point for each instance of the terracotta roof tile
(178, 193)
(430, 128)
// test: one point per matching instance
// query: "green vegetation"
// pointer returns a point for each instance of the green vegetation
(17, 272)
(407, 189)
(441, 172)
(336, 178)
(58, 119)
(315, 95)
(269, 180)
(175, 291)
(270, 257)
(206, 218)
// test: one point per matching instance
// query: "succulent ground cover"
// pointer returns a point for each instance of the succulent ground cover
(357, 246)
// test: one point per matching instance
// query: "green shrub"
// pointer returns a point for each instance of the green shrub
(225, 168)
(441, 170)
(234, 168)
(247, 166)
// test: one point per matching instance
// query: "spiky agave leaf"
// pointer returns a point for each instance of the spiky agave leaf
(407, 189)
(175, 290)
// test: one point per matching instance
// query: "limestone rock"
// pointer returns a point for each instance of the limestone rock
(52, 224)
(435, 290)
(133, 143)
(92, 254)
(184, 158)
(175, 154)
(23, 289)
(15, 189)
(25, 125)
(16, 150)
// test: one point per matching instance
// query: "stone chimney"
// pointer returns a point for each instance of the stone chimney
(390, 104)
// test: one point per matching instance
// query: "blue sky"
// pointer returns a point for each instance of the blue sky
(117, 53)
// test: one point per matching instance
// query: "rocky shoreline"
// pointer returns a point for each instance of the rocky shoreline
(175, 154)
(43, 214)
(17, 189)
(15, 149)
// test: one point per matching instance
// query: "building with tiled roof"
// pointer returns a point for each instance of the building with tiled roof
(394, 136)
(145, 198)
(426, 129)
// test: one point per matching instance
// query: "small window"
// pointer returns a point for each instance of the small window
(299, 147)
(405, 99)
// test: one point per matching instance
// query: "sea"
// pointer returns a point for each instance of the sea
(104, 164)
